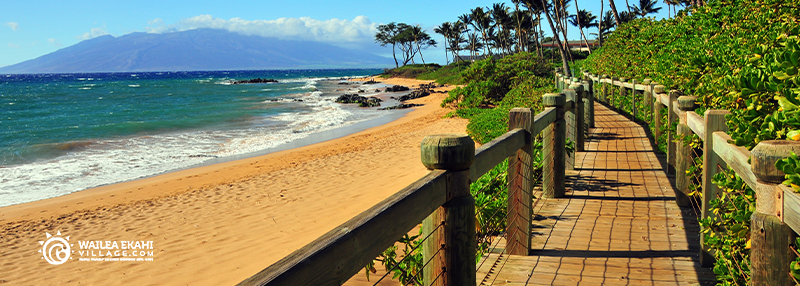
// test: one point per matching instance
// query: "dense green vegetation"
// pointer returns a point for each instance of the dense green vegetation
(736, 55)
(449, 74)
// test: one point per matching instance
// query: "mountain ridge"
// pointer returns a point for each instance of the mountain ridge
(198, 49)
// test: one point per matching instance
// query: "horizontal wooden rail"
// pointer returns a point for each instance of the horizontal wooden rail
(736, 157)
(350, 246)
(543, 119)
(791, 208)
(497, 150)
(695, 122)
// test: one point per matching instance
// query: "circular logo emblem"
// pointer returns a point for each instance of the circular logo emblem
(55, 250)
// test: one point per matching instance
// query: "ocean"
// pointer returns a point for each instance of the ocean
(62, 133)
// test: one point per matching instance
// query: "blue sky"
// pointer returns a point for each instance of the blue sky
(29, 29)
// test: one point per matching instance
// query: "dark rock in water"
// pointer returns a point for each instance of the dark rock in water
(397, 88)
(362, 101)
(344, 83)
(255, 80)
(414, 95)
(377, 90)
(360, 91)
(371, 82)
(370, 102)
(430, 85)
(401, 106)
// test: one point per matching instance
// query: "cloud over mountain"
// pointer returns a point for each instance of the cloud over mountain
(343, 33)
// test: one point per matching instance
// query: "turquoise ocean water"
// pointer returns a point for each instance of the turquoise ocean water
(62, 133)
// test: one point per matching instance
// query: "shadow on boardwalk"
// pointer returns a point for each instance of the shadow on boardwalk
(618, 225)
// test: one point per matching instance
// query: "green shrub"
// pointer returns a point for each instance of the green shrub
(487, 81)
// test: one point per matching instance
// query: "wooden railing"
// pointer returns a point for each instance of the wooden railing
(776, 219)
(442, 199)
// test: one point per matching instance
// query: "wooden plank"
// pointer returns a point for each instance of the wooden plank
(664, 98)
(679, 113)
(497, 150)
(791, 208)
(543, 119)
(340, 253)
(735, 156)
(696, 123)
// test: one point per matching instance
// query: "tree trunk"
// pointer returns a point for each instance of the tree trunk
(588, 48)
(580, 27)
(600, 27)
(614, 10)
(565, 64)
(447, 60)
(419, 50)
(629, 7)
(396, 65)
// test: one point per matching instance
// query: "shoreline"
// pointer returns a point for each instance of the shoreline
(207, 222)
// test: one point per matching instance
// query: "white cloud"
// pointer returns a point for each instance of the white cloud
(54, 42)
(13, 25)
(96, 32)
(13, 46)
(332, 31)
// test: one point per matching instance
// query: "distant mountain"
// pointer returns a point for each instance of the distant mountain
(199, 49)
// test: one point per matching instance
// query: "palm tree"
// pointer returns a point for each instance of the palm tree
(445, 29)
(564, 63)
(583, 19)
(502, 20)
(534, 7)
(422, 40)
(614, 9)
(645, 8)
(606, 24)
(626, 17)
(474, 45)
(456, 39)
(481, 22)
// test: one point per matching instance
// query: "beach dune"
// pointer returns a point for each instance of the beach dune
(219, 224)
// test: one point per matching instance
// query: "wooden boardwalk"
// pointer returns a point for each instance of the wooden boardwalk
(618, 225)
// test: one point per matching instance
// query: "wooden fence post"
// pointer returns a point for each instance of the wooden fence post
(588, 97)
(520, 187)
(769, 236)
(604, 93)
(451, 246)
(572, 127)
(714, 121)
(646, 94)
(657, 130)
(634, 112)
(672, 118)
(684, 158)
(622, 94)
(553, 168)
(580, 117)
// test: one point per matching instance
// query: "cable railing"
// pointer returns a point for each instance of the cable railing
(776, 219)
(453, 246)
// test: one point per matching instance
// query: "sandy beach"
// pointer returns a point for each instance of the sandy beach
(219, 224)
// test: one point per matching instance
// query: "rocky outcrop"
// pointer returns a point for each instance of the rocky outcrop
(362, 101)
(400, 106)
(255, 80)
(397, 88)
(413, 95)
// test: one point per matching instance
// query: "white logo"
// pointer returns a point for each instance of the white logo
(55, 250)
